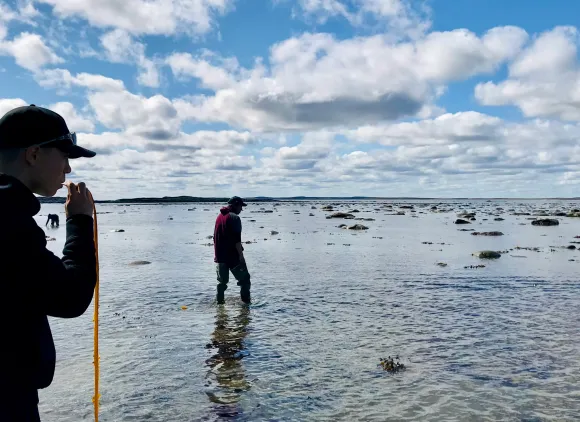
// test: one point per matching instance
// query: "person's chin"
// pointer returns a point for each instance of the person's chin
(48, 193)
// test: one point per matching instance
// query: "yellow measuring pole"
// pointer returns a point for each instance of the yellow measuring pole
(96, 357)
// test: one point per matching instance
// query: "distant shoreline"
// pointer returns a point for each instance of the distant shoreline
(193, 199)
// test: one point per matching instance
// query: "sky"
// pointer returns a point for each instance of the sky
(214, 98)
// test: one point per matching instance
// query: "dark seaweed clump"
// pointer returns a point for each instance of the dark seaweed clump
(391, 365)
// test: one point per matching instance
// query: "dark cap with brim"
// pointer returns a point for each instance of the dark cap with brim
(236, 200)
(73, 151)
(27, 126)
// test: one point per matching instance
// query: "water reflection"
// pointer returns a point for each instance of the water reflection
(226, 377)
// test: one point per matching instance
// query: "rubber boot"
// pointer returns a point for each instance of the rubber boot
(220, 297)
(245, 295)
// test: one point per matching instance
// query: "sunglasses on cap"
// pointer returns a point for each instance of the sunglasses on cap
(72, 137)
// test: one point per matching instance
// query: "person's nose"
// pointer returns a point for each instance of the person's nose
(67, 168)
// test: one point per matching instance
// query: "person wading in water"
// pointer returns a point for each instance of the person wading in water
(53, 220)
(35, 147)
(229, 252)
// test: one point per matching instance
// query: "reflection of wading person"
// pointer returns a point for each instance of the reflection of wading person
(229, 255)
(227, 375)
(53, 219)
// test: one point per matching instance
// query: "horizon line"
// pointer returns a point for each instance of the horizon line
(185, 198)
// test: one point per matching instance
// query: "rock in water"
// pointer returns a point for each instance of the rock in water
(487, 234)
(273, 232)
(487, 255)
(545, 222)
(140, 263)
(341, 215)
(460, 221)
(118, 231)
(358, 227)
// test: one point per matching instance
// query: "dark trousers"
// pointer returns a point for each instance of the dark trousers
(240, 272)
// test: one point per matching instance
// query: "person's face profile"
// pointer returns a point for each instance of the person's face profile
(51, 165)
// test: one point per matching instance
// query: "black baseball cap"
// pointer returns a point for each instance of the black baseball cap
(236, 200)
(30, 125)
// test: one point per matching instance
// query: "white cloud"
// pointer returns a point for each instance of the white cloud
(314, 147)
(200, 143)
(316, 81)
(551, 53)
(29, 51)
(6, 15)
(157, 17)
(467, 126)
(229, 140)
(465, 54)
(75, 122)
(324, 8)
(399, 17)
(153, 118)
(544, 80)
(25, 13)
(63, 80)
(234, 163)
(148, 73)
(212, 76)
(120, 47)
(496, 157)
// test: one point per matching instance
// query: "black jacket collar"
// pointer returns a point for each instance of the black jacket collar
(15, 197)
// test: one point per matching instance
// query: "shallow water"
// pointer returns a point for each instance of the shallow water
(495, 343)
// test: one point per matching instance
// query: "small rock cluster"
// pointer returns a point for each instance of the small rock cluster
(545, 222)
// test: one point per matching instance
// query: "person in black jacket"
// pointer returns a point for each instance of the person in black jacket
(35, 146)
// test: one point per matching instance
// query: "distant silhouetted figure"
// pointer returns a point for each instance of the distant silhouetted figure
(53, 219)
(229, 255)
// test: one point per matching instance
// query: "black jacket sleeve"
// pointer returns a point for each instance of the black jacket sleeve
(65, 287)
